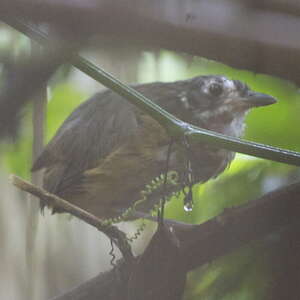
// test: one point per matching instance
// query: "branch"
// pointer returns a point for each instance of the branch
(238, 226)
(200, 244)
(175, 127)
(261, 36)
(118, 237)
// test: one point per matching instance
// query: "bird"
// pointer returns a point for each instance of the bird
(108, 150)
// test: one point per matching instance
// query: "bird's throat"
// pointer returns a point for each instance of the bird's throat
(227, 123)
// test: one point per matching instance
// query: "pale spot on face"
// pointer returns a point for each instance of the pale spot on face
(207, 114)
(184, 100)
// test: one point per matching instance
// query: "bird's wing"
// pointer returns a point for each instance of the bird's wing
(88, 135)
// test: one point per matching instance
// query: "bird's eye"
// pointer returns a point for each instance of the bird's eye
(215, 89)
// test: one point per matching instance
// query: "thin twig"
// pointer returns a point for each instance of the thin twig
(117, 236)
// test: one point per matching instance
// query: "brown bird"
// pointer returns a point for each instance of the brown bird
(107, 150)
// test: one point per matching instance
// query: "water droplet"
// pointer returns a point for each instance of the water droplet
(188, 201)
(188, 206)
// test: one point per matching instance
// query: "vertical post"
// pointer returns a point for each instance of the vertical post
(39, 106)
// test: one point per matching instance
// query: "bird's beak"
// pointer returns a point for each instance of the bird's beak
(254, 99)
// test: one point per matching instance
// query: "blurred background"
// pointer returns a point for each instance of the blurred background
(44, 255)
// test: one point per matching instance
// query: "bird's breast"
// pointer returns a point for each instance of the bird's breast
(205, 162)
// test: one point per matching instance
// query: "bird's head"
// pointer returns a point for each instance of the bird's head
(220, 104)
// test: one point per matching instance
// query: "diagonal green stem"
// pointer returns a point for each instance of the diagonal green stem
(175, 127)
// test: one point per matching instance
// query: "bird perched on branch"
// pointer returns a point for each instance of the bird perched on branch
(107, 150)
